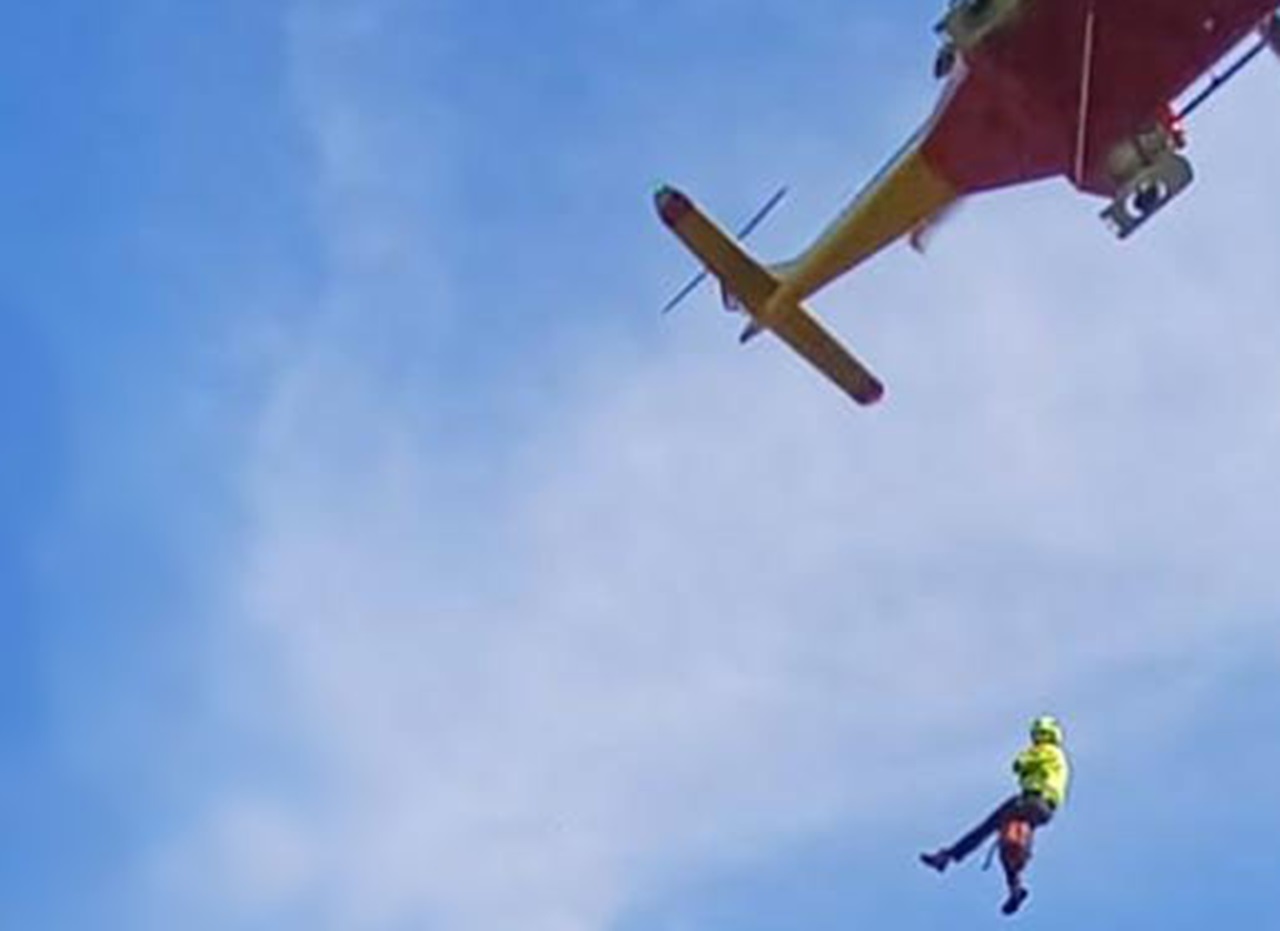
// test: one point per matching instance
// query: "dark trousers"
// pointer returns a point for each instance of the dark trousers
(1030, 808)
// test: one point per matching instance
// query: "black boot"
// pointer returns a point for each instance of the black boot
(1017, 895)
(937, 861)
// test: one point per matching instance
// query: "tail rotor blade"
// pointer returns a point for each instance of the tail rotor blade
(747, 229)
(685, 291)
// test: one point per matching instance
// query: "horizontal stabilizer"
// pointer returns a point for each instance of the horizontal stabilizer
(800, 330)
(751, 285)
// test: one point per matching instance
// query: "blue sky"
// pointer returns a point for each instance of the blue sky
(375, 557)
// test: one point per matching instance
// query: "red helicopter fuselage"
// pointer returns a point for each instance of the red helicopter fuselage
(1058, 90)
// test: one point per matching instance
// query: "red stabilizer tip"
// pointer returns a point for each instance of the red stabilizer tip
(873, 395)
(672, 205)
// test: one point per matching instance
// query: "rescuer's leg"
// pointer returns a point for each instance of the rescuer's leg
(941, 859)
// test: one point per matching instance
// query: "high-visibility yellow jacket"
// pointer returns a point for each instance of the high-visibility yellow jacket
(1043, 769)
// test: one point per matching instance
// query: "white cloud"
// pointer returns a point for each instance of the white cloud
(260, 856)
(704, 607)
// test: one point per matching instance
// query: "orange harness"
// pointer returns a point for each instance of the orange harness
(1013, 843)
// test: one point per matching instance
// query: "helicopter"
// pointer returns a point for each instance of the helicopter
(1032, 89)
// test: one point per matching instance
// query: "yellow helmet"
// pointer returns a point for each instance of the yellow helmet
(1046, 730)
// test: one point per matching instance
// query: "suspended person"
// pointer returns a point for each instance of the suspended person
(1043, 773)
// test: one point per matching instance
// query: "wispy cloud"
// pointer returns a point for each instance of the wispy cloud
(700, 606)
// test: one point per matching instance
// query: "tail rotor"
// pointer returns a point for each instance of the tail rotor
(729, 300)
